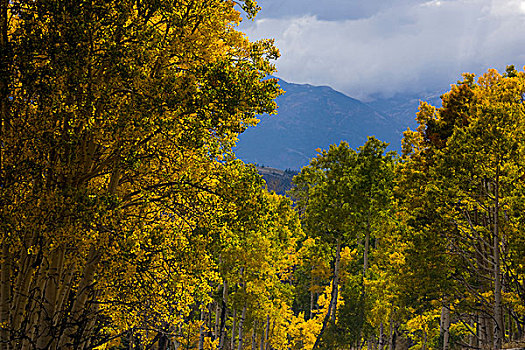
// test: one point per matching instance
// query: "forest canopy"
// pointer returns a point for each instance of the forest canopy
(127, 223)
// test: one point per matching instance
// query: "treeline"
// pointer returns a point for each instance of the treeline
(126, 222)
(427, 248)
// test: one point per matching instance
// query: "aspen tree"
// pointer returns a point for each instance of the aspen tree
(113, 118)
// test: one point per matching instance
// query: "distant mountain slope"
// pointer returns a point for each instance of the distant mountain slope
(277, 180)
(402, 108)
(311, 117)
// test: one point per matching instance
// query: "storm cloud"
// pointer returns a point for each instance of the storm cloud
(377, 47)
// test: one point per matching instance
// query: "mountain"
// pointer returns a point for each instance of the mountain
(402, 108)
(311, 117)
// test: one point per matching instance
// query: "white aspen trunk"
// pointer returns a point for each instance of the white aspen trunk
(489, 328)
(50, 297)
(90, 326)
(22, 285)
(270, 332)
(483, 331)
(217, 320)
(21, 290)
(264, 344)
(65, 288)
(445, 326)
(232, 340)
(84, 289)
(241, 325)
(33, 329)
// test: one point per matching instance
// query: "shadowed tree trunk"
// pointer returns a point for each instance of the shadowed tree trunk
(201, 331)
(330, 315)
(224, 310)
(241, 325)
(254, 335)
(232, 340)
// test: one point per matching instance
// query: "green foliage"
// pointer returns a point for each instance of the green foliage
(126, 222)
(121, 208)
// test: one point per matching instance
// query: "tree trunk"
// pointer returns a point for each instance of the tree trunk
(264, 340)
(163, 342)
(33, 328)
(254, 335)
(473, 337)
(224, 310)
(79, 307)
(510, 325)
(90, 323)
(392, 337)
(232, 340)
(499, 331)
(367, 247)
(489, 329)
(335, 287)
(311, 304)
(5, 63)
(330, 315)
(241, 325)
(381, 336)
(270, 331)
(445, 326)
(52, 285)
(216, 329)
(201, 331)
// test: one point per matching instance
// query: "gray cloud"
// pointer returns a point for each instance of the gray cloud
(328, 9)
(403, 46)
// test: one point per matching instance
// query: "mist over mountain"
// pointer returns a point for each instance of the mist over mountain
(311, 117)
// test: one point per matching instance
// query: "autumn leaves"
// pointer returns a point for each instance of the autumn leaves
(126, 222)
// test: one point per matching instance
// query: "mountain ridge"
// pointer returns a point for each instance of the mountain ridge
(311, 117)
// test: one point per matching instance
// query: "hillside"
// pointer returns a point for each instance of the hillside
(277, 180)
(311, 117)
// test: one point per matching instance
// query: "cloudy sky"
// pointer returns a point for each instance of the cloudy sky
(367, 48)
